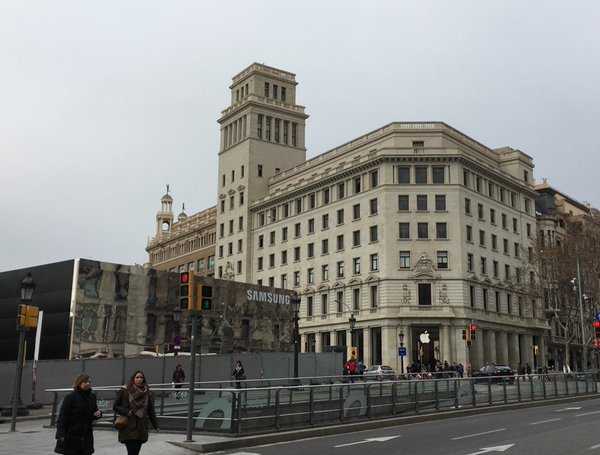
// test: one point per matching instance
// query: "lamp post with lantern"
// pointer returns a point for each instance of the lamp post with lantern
(401, 337)
(27, 287)
(352, 322)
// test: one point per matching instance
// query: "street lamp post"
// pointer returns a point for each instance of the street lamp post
(401, 336)
(27, 286)
(295, 302)
(352, 322)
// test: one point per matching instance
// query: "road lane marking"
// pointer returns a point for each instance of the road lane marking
(364, 441)
(493, 449)
(543, 421)
(574, 408)
(478, 434)
(595, 447)
(587, 413)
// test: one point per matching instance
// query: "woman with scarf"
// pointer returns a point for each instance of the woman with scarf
(135, 401)
(74, 425)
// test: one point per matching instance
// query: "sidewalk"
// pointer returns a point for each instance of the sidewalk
(34, 436)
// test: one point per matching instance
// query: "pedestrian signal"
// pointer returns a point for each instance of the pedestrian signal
(31, 316)
(464, 333)
(473, 331)
(22, 315)
(206, 295)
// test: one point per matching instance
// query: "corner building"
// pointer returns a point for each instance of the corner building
(413, 228)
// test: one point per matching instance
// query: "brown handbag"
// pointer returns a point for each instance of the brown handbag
(120, 422)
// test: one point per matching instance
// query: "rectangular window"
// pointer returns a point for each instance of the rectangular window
(340, 305)
(357, 183)
(495, 269)
(356, 298)
(373, 206)
(470, 262)
(515, 225)
(325, 246)
(266, 89)
(259, 170)
(483, 266)
(373, 296)
(325, 196)
(340, 269)
(312, 200)
(494, 242)
(296, 278)
(341, 191)
(441, 230)
(259, 263)
(421, 202)
(310, 250)
(201, 265)
(492, 216)
(356, 266)
(438, 174)
(268, 128)
(374, 177)
(297, 230)
(286, 126)
(325, 272)
(403, 174)
(478, 184)
(310, 275)
(272, 238)
(311, 226)
(356, 238)
(403, 202)
(340, 216)
(284, 234)
(240, 244)
(485, 299)
(275, 90)
(309, 305)
(259, 126)
(480, 211)
(325, 221)
(373, 237)
(277, 125)
(294, 128)
(467, 206)
(284, 257)
(374, 260)
(261, 241)
(296, 253)
(442, 259)
(404, 230)
(497, 299)
(356, 212)
(283, 90)
(283, 281)
(420, 175)
(324, 304)
(481, 238)
(271, 260)
(472, 296)
(405, 259)
(423, 230)
(340, 242)
(440, 202)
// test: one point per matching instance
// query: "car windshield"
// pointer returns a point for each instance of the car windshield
(373, 368)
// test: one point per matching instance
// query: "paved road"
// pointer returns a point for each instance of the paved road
(567, 428)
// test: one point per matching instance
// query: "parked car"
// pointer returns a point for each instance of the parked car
(497, 373)
(379, 373)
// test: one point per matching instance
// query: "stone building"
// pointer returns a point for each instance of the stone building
(413, 228)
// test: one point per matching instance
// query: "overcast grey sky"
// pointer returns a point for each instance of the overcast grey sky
(104, 102)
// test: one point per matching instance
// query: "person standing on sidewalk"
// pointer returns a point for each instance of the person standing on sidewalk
(79, 409)
(238, 374)
(135, 401)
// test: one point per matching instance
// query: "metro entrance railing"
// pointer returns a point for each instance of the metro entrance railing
(259, 406)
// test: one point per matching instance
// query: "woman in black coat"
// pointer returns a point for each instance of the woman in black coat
(74, 425)
(135, 401)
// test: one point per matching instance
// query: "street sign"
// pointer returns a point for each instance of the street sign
(597, 316)
(402, 352)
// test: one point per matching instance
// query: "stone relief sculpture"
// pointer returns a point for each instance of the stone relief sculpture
(444, 295)
(405, 295)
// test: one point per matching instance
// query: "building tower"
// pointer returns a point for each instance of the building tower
(262, 134)
(164, 218)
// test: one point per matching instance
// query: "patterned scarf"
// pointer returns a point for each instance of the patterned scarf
(138, 399)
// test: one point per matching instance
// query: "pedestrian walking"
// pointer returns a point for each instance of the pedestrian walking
(135, 401)
(178, 376)
(238, 374)
(74, 435)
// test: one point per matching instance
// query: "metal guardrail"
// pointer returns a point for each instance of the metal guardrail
(260, 405)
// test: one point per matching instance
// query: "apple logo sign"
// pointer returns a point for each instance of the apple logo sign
(424, 337)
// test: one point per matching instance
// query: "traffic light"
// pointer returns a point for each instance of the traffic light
(186, 291)
(31, 316)
(22, 315)
(464, 333)
(473, 329)
(206, 294)
(597, 328)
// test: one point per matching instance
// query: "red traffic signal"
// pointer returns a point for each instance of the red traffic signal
(184, 277)
(597, 328)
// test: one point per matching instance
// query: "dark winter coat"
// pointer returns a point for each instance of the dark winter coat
(137, 427)
(74, 422)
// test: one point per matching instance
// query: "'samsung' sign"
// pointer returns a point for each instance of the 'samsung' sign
(267, 297)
